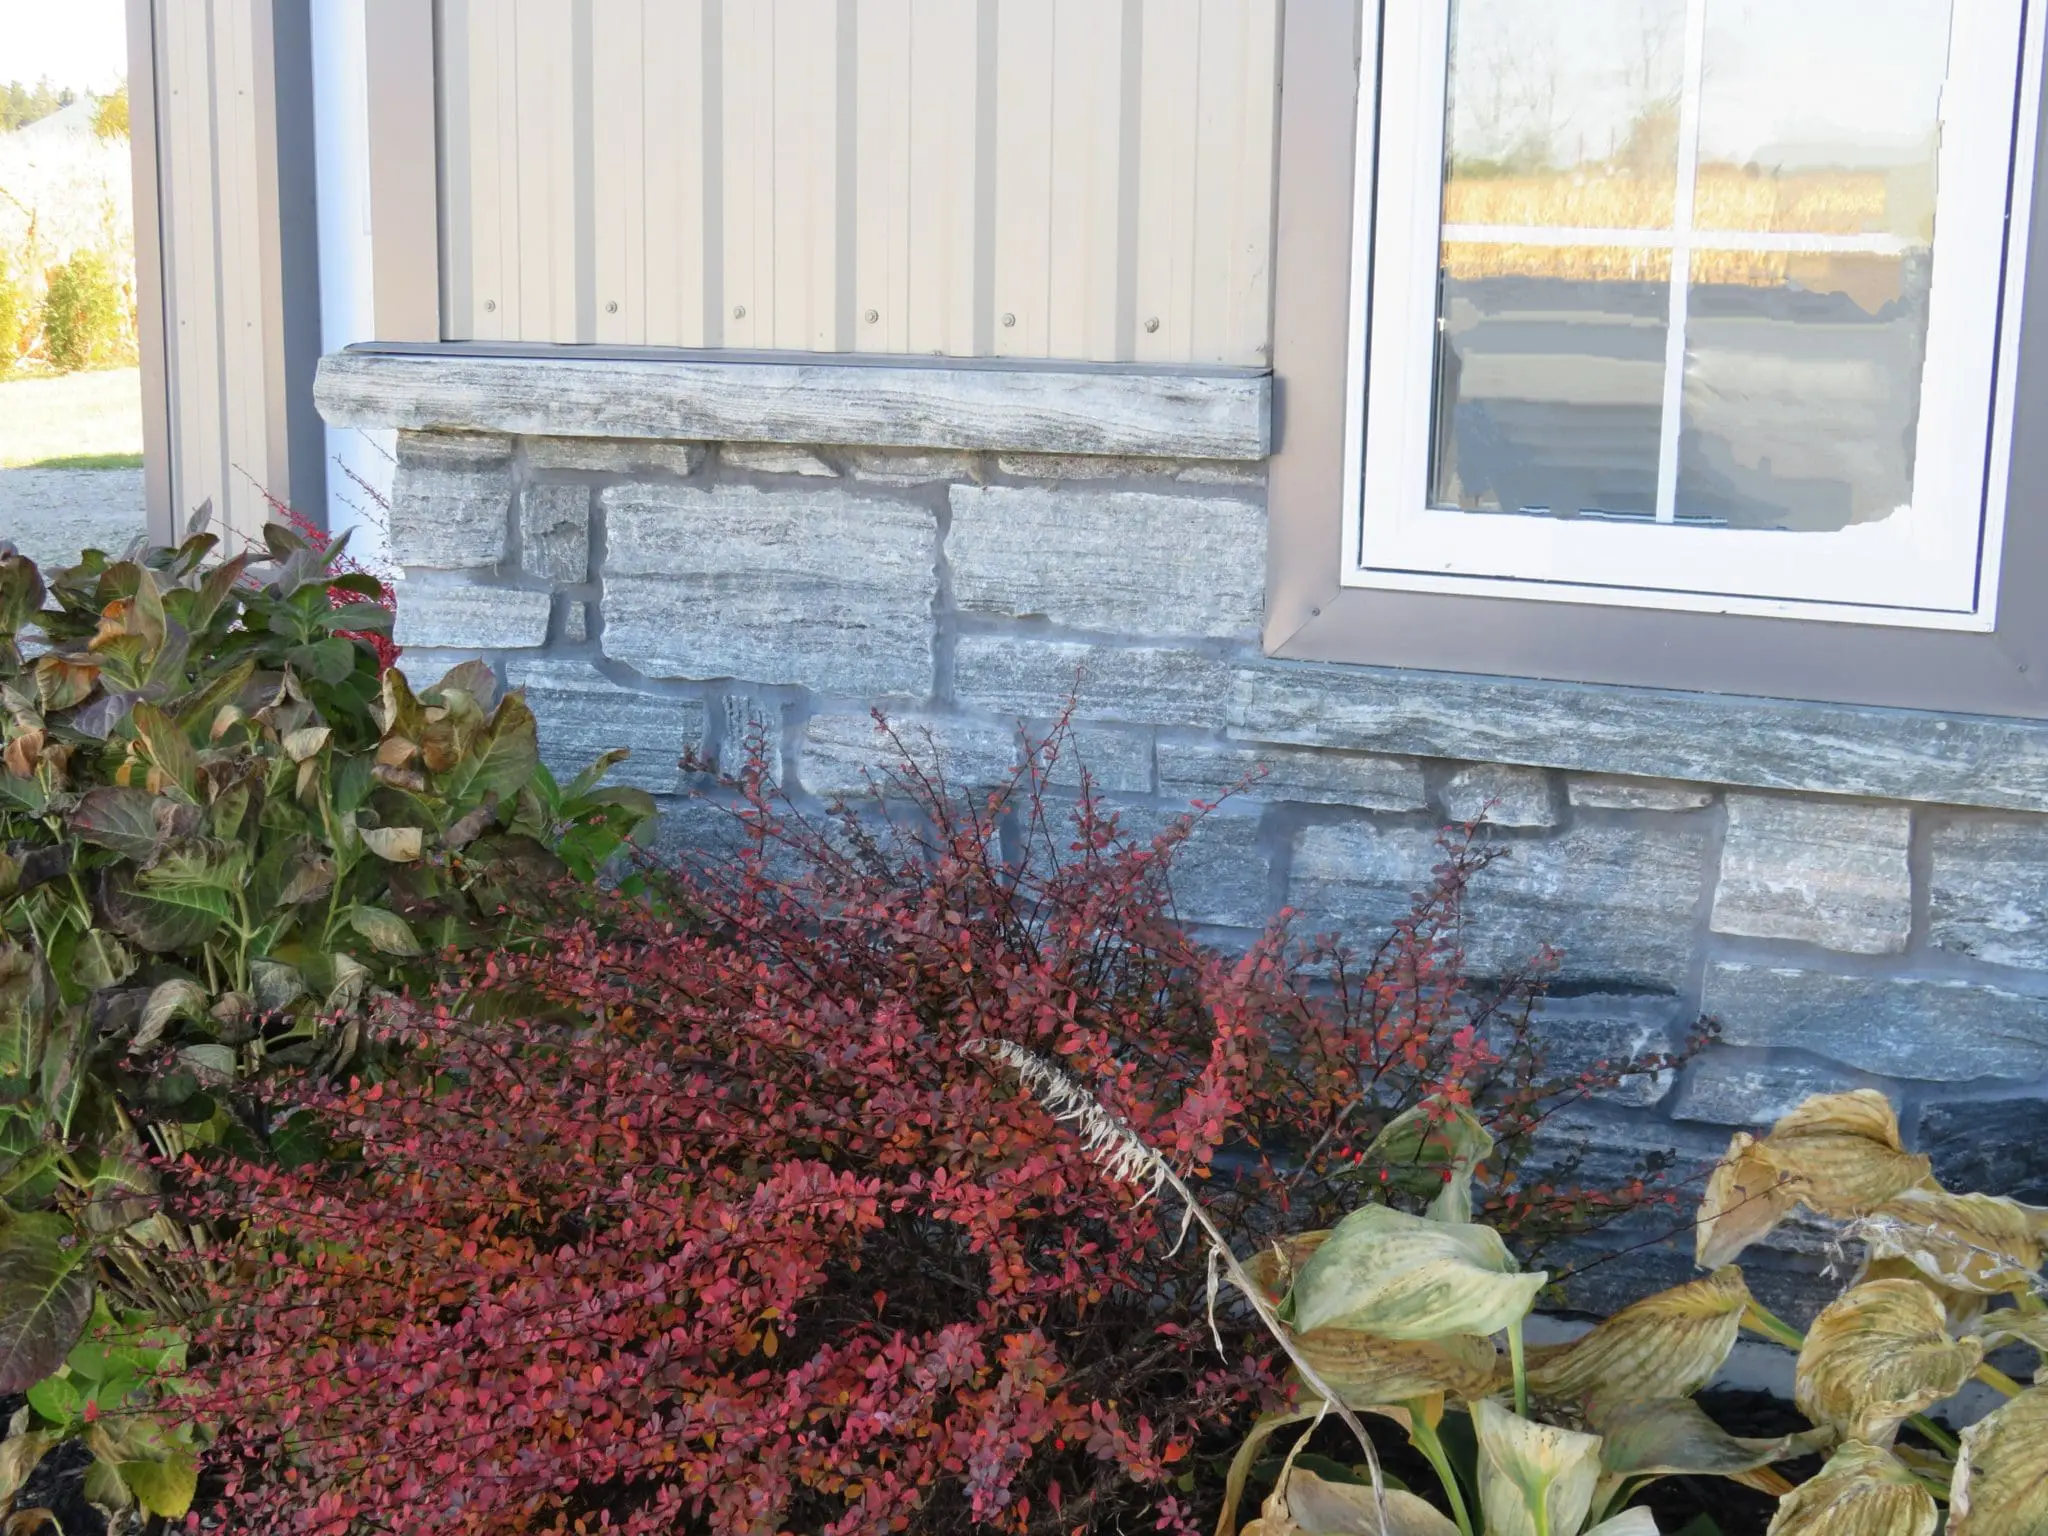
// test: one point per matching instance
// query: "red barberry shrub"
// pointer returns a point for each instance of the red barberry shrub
(705, 1215)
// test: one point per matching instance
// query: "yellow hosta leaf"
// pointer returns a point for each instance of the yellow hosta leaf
(1368, 1371)
(1877, 1355)
(1838, 1154)
(2015, 1327)
(1305, 1505)
(1676, 1438)
(1976, 1243)
(1747, 1195)
(1664, 1346)
(1399, 1276)
(1962, 1308)
(1533, 1478)
(1862, 1491)
(1274, 1267)
(2001, 1478)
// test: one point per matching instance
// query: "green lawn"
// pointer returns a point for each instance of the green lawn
(72, 421)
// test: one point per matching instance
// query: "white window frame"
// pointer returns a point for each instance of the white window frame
(1933, 565)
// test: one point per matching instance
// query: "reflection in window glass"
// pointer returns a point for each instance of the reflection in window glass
(1564, 114)
(1802, 395)
(1550, 379)
(1822, 117)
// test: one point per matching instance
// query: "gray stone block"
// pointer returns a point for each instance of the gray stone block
(1117, 762)
(612, 455)
(848, 754)
(554, 533)
(1612, 792)
(1742, 1088)
(753, 726)
(1220, 874)
(1618, 904)
(582, 713)
(1991, 1146)
(451, 500)
(1819, 872)
(1501, 796)
(576, 621)
(1583, 1035)
(1893, 1026)
(1205, 769)
(822, 588)
(1989, 891)
(775, 459)
(1121, 561)
(1038, 679)
(433, 616)
(911, 466)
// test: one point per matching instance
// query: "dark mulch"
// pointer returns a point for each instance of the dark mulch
(58, 1485)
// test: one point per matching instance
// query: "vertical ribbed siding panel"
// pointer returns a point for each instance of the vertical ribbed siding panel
(191, 265)
(1129, 175)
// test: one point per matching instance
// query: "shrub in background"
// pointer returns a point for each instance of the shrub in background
(708, 1212)
(14, 308)
(84, 318)
(224, 827)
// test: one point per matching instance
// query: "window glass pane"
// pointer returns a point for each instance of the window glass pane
(1564, 113)
(1550, 379)
(1822, 116)
(1802, 388)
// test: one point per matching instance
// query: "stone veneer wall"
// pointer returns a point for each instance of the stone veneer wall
(676, 596)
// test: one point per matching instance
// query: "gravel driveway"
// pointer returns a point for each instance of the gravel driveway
(51, 514)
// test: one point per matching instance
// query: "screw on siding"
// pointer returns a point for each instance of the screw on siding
(489, 305)
(739, 311)
(873, 316)
(1152, 324)
(1009, 319)
(612, 308)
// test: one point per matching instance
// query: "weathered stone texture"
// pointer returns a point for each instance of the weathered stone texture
(582, 713)
(911, 466)
(774, 459)
(1220, 874)
(1125, 561)
(1611, 792)
(1501, 796)
(1203, 770)
(1617, 903)
(822, 588)
(554, 533)
(1598, 1034)
(1117, 762)
(1038, 679)
(612, 455)
(1818, 872)
(1742, 1088)
(1989, 891)
(753, 727)
(1996, 1146)
(848, 754)
(451, 500)
(1894, 1026)
(464, 618)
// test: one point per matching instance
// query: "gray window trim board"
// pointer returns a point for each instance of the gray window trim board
(1311, 617)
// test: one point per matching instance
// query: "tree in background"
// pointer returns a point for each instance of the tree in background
(21, 105)
(82, 313)
(110, 114)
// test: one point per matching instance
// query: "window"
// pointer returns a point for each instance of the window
(1691, 304)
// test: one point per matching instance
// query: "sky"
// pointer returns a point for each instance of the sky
(79, 43)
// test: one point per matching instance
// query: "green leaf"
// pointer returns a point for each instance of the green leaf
(327, 661)
(178, 998)
(162, 919)
(1533, 1478)
(46, 1291)
(56, 1400)
(164, 1487)
(164, 746)
(291, 872)
(100, 960)
(116, 817)
(372, 618)
(104, 1487)
(386, 931)
(28, 997)
(502, 762)
(64, 1069)
(1434, 1149)
(1386, 1272)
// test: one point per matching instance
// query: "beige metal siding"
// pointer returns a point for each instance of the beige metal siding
(217, 178)
(1074, 179)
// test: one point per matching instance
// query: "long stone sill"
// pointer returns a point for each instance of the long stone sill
(900, 403)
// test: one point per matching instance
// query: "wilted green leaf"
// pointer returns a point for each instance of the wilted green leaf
(503, 761)
(19, 1456)
(1878, 1355)
(27, 999)
(116, 817)
(45, 1296)
(1654, 1439)
(2001, 1477)
(395, 845)
(386, 931)
(1534, 1479)
(100, 960)
(1386, 1272)
(1862, 1491)
(1434, 1148)
(178, 998)
(1664, 1346)
(161, 918)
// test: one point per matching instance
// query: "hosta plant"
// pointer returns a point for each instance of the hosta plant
(225, 828)
(1398, 1315)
